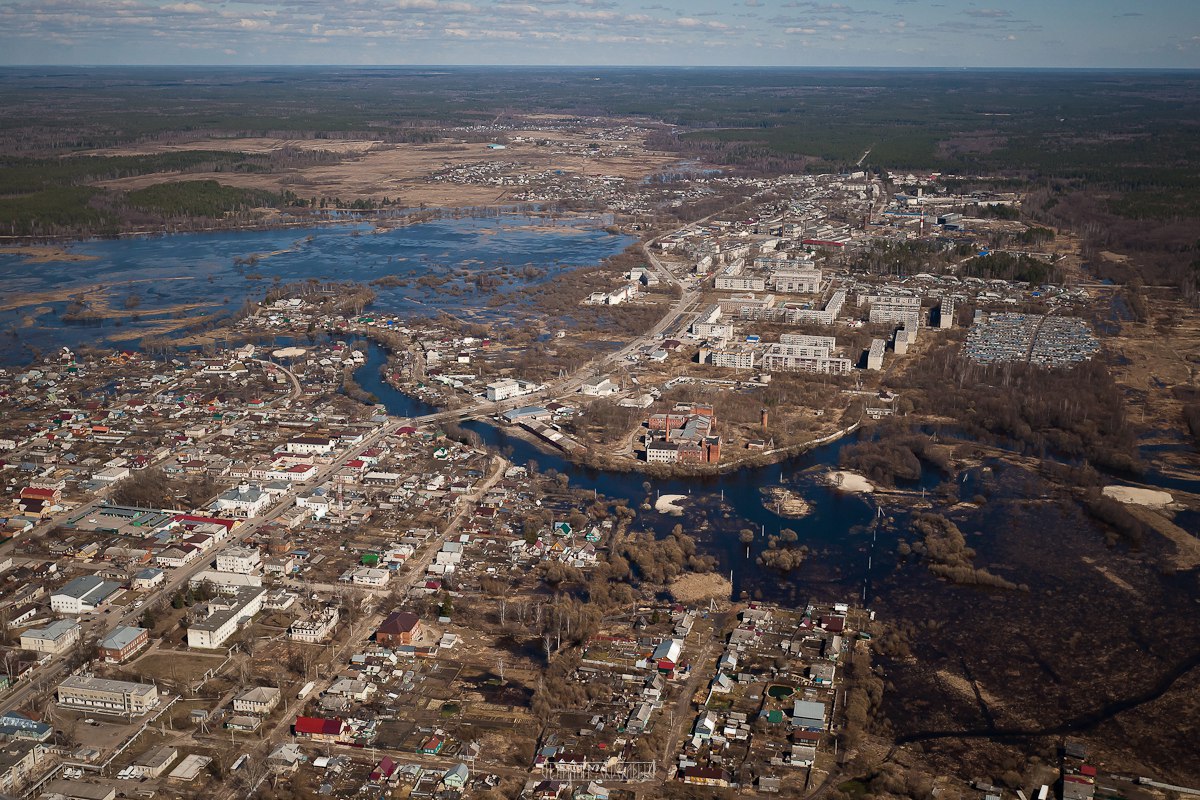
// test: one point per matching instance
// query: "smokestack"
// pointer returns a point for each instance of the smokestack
(763, 420)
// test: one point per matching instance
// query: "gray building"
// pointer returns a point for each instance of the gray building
(809, 714)
(875, 354)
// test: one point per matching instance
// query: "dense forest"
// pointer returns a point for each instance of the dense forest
(57, 196)
(1006, 266)
(1076, 413)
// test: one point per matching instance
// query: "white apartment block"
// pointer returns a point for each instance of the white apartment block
(905, 337)
(243, 560)
(806, 340)
(827, 316)
(793, 281)
(798, 358)
(946, 314)
(875, 354)
(902, 315)
(740, 283)
(709, 314)
(733, 357)
(900, 300)
(712, 330)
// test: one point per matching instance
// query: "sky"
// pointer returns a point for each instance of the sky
(874, 33)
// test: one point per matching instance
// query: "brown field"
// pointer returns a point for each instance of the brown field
(376, 169)
(1151, 361)
(967, 692)
(695, 587)
(1187, 546)
(96, 292)
(238, 145)
(165, 665)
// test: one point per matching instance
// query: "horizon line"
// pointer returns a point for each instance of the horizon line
(907, 68)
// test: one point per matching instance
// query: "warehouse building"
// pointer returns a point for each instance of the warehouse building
(83, 594)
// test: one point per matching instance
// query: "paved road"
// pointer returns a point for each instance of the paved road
(296, 390)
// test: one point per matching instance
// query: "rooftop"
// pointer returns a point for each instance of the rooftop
(88, 587)
(54, 630)
(122, 637)
(91, 684)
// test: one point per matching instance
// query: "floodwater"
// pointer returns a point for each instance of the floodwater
(190, 275)
(716, 507)
(853, 549)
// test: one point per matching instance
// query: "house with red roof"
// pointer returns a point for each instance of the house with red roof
(44, 494)
(320, 729)
(383, 770)
(400, 627)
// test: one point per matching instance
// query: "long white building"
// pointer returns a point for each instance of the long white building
(740, 283)
(741, 357)
(806, 340)
(782, 357)
(98, 695)
(508, 388)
